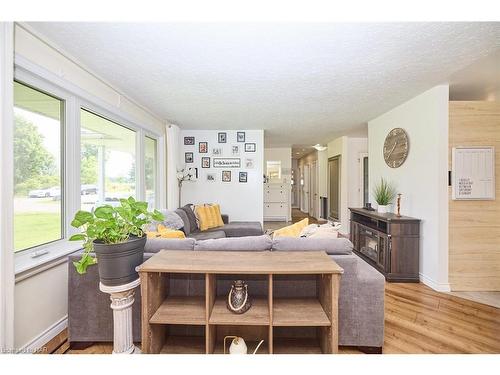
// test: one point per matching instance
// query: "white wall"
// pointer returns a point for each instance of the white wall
(241, 201)
(349, 150)
(41, 300)
(355, 147)
(422, 179)
(284, 155)
(323, 173)
(36, 313)
(173, 163)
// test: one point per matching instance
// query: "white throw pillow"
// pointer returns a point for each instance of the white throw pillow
(310, 229)
(325, 233)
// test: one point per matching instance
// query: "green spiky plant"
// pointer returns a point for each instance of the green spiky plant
(384, 192)
(111, 225)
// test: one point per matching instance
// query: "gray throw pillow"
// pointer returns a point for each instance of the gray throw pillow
(251, 243)
(191, 217)
(330, 246)
(185, 220)
(171, 220)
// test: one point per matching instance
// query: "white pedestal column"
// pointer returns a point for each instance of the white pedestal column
(122, 299)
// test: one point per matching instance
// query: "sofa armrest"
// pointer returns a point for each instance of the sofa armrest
(370, 304)
(225, 219)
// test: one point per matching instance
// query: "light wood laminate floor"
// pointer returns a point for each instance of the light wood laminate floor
(418, 320)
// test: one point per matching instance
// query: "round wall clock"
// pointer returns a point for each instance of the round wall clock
(396, 147)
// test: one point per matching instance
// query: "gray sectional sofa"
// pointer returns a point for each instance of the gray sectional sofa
(229, 229)
(361, 299)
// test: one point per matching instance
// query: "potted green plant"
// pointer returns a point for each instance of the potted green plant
(384, 194)
(116, 237)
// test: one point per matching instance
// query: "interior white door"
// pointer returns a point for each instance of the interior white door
(305, 188)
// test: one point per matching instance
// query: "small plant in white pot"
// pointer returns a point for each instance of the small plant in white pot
(115, 235)
(384, 194)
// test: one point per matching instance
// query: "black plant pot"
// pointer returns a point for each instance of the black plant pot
(117, 262)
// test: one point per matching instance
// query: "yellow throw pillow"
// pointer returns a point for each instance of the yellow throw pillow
(292, 230)
(173, 234)
(150, 234)
(165, 232)
(205, 217)
(218, 215)
(213, 217)
(302, 224)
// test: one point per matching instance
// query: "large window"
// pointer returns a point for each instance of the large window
(47, 118)
(150, 161)
(108, 168)
(38, 124)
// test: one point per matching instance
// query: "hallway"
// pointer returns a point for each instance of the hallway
(297, 215)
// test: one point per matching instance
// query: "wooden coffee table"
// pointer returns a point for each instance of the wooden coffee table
(160, 309)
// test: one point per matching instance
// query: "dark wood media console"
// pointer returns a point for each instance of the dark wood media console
(388, 242)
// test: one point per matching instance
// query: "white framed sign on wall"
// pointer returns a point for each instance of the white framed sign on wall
(473, 171)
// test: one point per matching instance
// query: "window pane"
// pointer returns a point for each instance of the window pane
(150, 170)
(108, 161)
(37, 167)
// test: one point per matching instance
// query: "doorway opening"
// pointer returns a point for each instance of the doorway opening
(334, 187)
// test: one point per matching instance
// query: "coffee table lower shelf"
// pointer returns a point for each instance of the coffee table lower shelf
(196, 345)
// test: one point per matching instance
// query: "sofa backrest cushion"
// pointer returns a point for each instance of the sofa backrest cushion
(182, 214)
(254, 243)
(191, 217)
(153, 245)
(330, 246)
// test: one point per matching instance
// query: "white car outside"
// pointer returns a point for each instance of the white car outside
(53, 192)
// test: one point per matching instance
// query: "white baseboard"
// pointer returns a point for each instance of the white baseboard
(439, 287)
(47, 335)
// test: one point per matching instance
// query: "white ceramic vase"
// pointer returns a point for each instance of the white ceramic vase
(238, 346)
(382, 209)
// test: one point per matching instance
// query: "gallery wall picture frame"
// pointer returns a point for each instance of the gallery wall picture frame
(189, 141)
(189, 157)
(226, 162)
(240, 137)
(222, 137)
(235, 150)
(250, 147)
(211, 177)
(243, 177)
(226, 176)
(205, 162)
(249, 163)
(203, 147)
(217, 151)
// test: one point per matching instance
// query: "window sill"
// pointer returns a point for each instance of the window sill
(25, 261)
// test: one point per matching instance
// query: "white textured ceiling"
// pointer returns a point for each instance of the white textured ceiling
(303, 83)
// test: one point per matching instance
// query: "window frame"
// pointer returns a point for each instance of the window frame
(108, 117)
(62, 164)
(37, 255)
(157, 169)
(75, 99)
